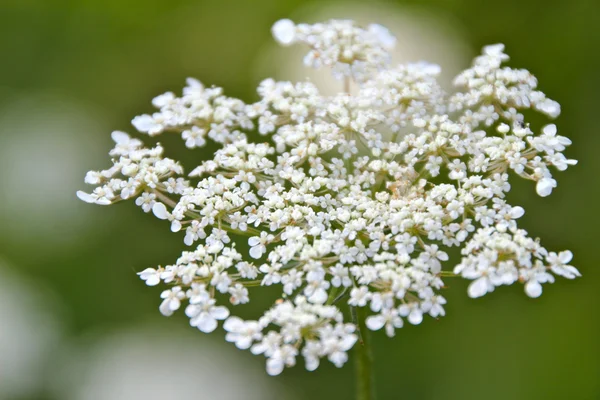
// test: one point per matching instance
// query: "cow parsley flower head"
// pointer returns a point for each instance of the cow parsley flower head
(346, 202)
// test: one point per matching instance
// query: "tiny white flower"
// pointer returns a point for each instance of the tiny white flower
(172, 301)
(150, 276)
(242, 333)
(480, 287)
(559, 264)
(205, 315)
(533, 289)
(147, 124)
(284, 31)
(359, 296)
(285, 356)
(388, 318)
(258, 244)
(544, 186)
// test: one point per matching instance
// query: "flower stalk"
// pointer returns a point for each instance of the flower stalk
(364, 373)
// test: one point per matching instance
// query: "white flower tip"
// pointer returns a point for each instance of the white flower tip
(549, 107)
(207, 325)
(565, 256)
(194, 83)
(233, 323)
(478, 288)
(193, 86)
(284, 31)
(533, 289)
(150, 276)
(145, 124)
(163, 99)
(549, 130)
(544, 186)
(318, 297)
(375, 322)
(256, 252)
(503, 128)
(165, 309)
(494, 49)
(160, 211)
(175, 226)
(88, 198)
(119, 137)
(517, 212)
(274, 367)
(415, 318)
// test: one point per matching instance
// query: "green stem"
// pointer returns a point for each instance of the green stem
(365, 388)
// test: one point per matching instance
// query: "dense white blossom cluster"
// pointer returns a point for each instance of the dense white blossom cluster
(346, 201)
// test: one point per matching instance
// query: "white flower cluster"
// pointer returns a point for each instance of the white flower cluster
(347, 201)
(341, 45)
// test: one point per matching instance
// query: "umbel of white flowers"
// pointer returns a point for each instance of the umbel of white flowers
(345, 201)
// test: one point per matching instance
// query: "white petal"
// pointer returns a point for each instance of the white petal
(570, 272)
(274, 366)
(120, 137)
(165, 308)
(129, 170)
(338, 358)
(415, 317)
(153, 280)
(256, 252)
(88, 198)
(549, 129)
(192, 312)
(478, 287)
(174, 304)
(244, 343)
(348, 341)
(544, 186)
(205, 322)
(517, 212)
(163, 99)
(233, 324)
(219, 312)
(493, 49)
(565, 256)
(533, 289)
(175, 226)
(92, 178)
(150, 276)
(318, 297)
(144, 123)
(550, 108)
(160, 211)
(103, 201)
(375, 322)
(284, 31)
(311, 363)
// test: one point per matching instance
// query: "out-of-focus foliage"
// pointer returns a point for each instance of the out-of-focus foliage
(74, 70)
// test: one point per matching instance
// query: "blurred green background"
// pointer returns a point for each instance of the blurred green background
(77, 323)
